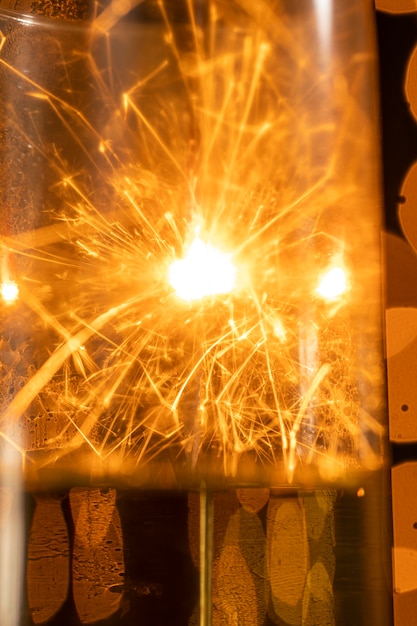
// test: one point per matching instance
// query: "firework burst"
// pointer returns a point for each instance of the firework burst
(208, 141)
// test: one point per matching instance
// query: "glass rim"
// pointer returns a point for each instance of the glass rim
(60, 23)
(72, 24)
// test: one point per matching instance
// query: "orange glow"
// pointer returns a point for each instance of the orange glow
(396, 6)
(333, 284)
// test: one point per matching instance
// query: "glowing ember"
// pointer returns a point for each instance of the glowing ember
(9, 291)
(205, 271)
(333, 284)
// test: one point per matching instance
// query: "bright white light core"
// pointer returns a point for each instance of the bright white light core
(204, 271)
(9, 291)
(333, 284)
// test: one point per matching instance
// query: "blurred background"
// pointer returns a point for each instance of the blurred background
(397, 36)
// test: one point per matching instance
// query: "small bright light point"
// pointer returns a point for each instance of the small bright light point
(9, 291)
(279, 330)
(333, 284)
(205, 271)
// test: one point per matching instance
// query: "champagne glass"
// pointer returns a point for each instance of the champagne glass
(191, 309)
